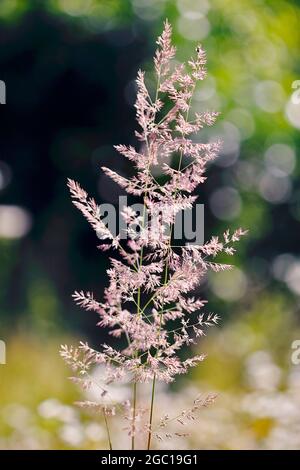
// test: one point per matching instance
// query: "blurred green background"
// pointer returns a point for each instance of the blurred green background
(69, 68)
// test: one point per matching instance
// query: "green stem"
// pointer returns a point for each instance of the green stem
(133, 415)
(151, 413)
(107, 430)
(161, 313)
(138, 314)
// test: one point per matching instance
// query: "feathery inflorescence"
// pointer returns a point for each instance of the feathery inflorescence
(149, 300)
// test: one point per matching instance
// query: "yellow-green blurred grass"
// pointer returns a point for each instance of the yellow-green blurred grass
(35, 373)
(269, 323)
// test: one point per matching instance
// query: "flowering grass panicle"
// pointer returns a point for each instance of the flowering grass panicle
(149, 302)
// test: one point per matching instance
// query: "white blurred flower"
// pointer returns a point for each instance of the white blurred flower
(94, 432)
(53, 408)
(72, 434)
(261, 372)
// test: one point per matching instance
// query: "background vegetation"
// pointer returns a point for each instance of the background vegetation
(69, 68)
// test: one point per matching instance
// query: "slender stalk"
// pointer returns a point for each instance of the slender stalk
(133, 415)
(151, 413)
(154, 377)
(107, 430)
(139, 311)
(165, 283)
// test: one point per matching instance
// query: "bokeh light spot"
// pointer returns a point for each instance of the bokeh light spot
(226, 203)
(230, 285)
(269, 96)
(15, 222)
